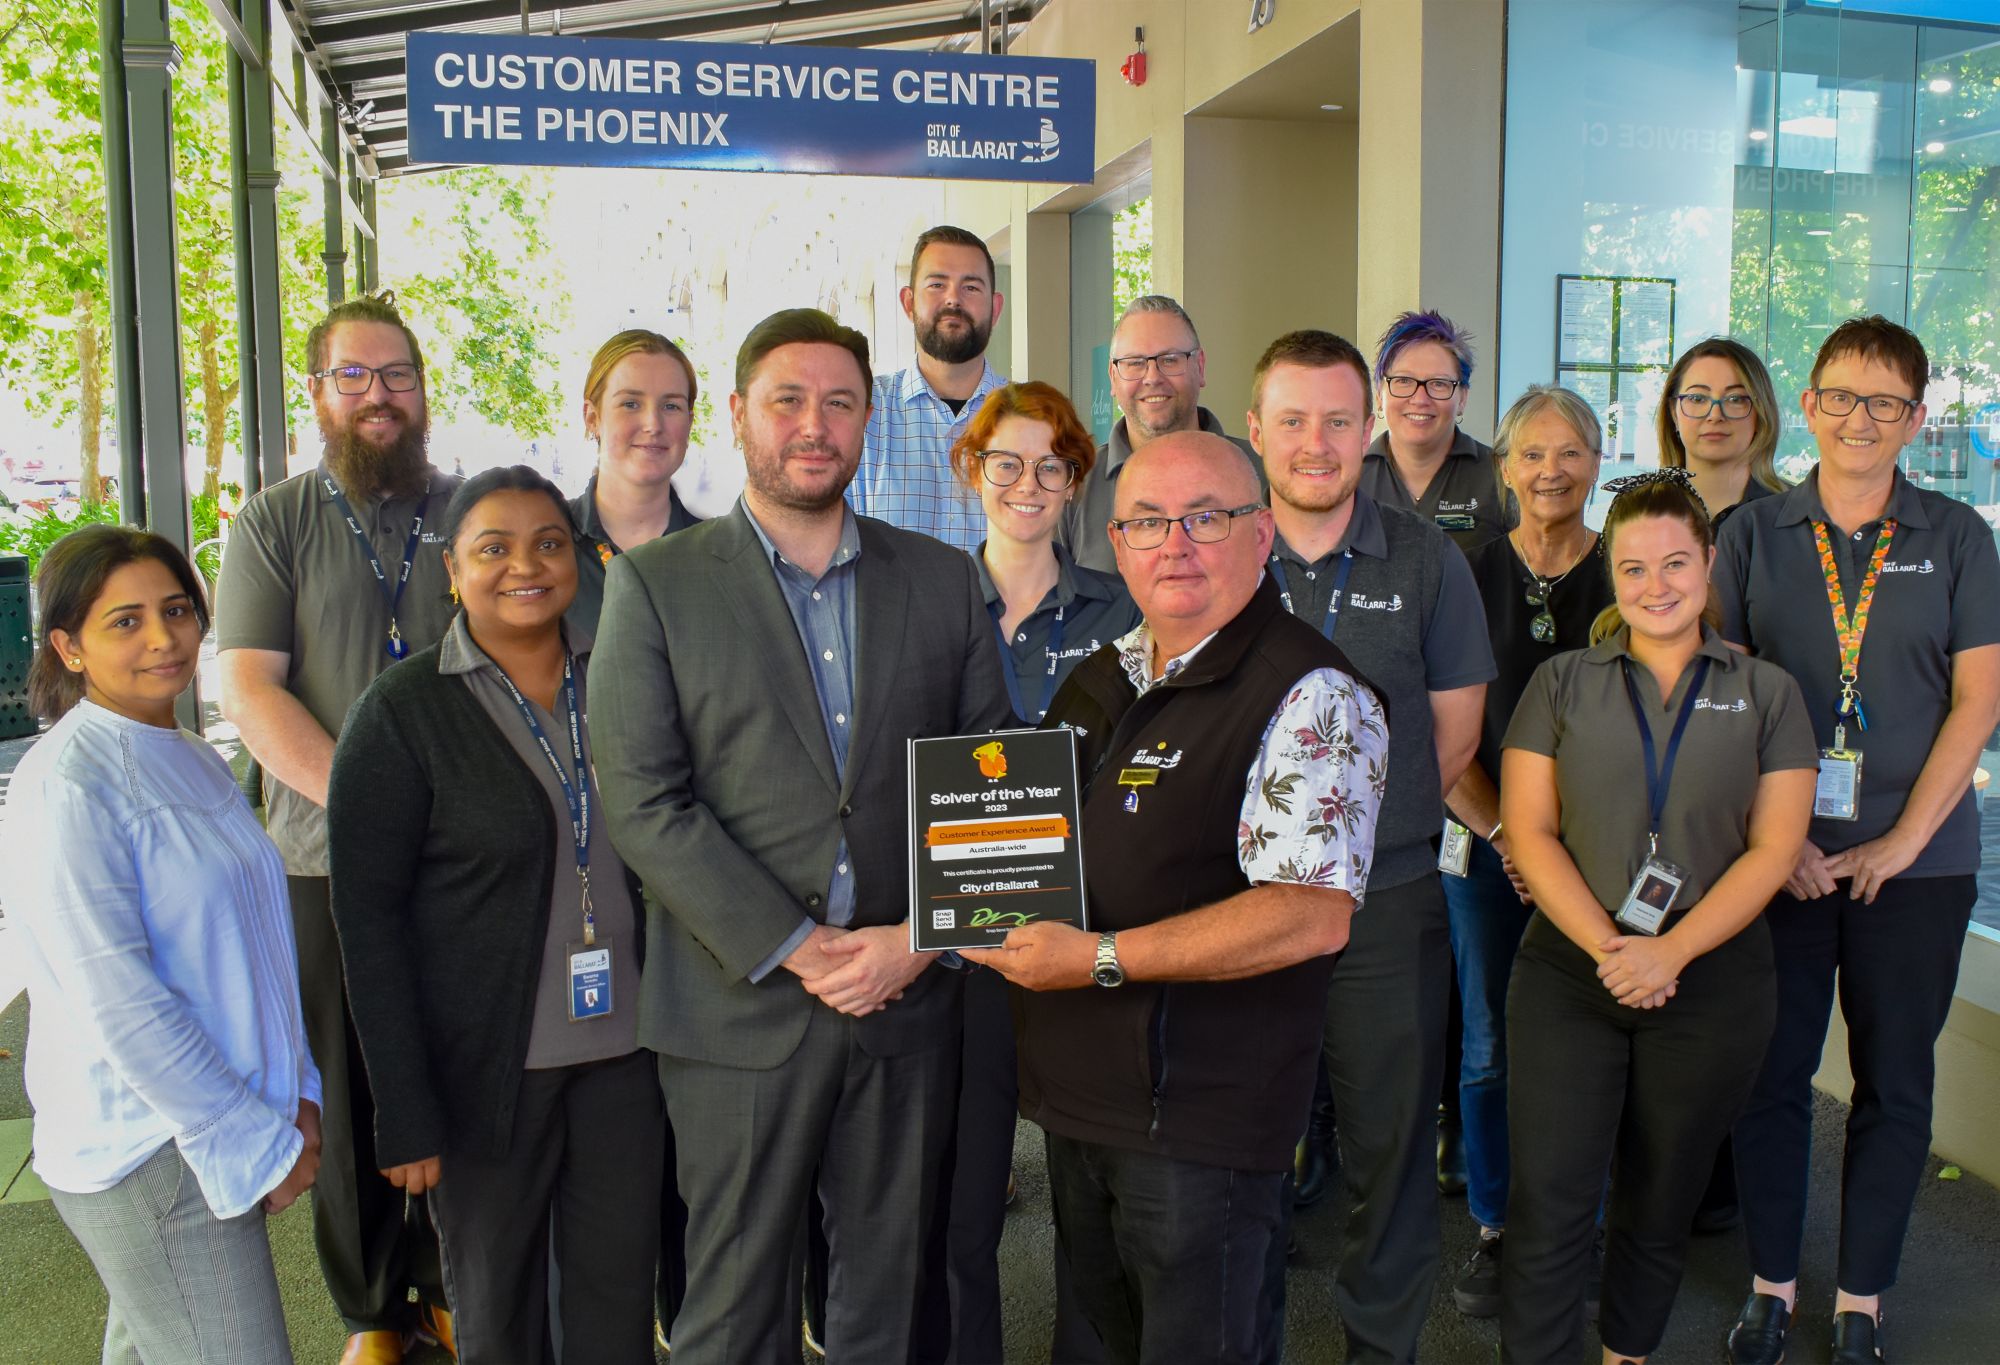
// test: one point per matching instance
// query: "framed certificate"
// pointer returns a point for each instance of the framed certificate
(993, 837)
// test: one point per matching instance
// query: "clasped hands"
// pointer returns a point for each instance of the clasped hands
(857, 971)
(1641, 972)
(1868, 865)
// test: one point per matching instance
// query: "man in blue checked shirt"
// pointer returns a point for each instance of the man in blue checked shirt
(905, 477)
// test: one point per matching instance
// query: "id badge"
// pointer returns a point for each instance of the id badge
(1457, 521)
(590, 979)
(1837, 792)
(1456, 849)
(1652, 897)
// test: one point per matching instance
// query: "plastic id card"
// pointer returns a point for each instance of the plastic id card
(1652, 897)
(1837, 792)
(1456, 848)
(590, 979)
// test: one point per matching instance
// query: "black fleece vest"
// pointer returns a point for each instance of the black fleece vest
(1216, 1072)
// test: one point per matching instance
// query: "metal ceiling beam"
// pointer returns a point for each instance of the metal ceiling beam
(759, 12)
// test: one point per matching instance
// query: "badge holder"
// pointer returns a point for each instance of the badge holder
(1837, 790)
(589, 978)
(1652, 896)
(1455, 851)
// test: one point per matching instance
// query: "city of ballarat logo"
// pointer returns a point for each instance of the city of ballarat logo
(1393, 602)
(943, 143)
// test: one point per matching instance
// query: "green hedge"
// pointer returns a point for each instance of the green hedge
(24, 532)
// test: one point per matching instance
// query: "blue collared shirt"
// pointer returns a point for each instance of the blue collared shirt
(905, 476)
(823, 610)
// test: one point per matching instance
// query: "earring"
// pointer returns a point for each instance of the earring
(76, 664)
(454, 595)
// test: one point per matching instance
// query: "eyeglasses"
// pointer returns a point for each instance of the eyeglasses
(1696, 407)
(1542, 629)
(1204, 528)
(1003, 469)
(355, 380)
(1171, 363)
(1883, 407)
(1406, 385)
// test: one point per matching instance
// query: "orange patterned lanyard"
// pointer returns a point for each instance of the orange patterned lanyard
(1849, 632)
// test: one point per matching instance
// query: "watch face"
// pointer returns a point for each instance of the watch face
(1109, 975)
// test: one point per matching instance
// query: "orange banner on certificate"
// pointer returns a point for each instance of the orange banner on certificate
(996, 831)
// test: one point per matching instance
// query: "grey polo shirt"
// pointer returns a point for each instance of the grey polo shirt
(1412, 623)
(1748, 721)
(595, 550)
(295, 580)
(1939, 593)
(1465, 499)
(1094, 610)
(1081, 530)
(554, 1039)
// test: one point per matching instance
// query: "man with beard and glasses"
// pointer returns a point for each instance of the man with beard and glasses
(331, 577)
(905, 477)
(757, 679)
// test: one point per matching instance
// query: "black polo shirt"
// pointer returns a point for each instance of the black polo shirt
(1095, 609)
(1939, 593)
(1465, 499)
(595, 551)
(1751, 492)
(1574, 600)
(1081, 530)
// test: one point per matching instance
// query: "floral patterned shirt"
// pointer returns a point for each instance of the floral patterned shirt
(1312, 794)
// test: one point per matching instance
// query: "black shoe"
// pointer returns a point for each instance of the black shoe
(1477, 1292)
(1857, 1339)
(1451, 1155)
(1318, 1160)
(1758, 1338)
(1593, 1288)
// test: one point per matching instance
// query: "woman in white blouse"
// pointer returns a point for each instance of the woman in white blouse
(165, 1038)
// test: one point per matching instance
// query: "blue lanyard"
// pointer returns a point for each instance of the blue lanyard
(1658, 778)
(396, 646)
(1053, 651)
(575, 795)
(1333, 603)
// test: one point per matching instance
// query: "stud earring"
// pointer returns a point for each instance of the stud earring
(76, 663)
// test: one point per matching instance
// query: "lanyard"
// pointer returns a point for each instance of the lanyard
(575, 795)
(1660, 777)
(1053, 651)
(1333, 603)
(1849, 632)
(397, 649)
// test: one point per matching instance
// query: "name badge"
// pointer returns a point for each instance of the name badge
(1652, 897)
(1837, 792)
(1456, 849)
(1456, 521)
(590, 980)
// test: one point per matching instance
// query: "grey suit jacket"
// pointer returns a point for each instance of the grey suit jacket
(718, 782)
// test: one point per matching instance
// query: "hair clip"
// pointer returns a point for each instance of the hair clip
(1673, 474)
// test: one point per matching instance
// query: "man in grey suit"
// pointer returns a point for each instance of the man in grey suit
(754, 681)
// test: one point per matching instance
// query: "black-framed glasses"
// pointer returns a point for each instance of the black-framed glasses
(1204, 528)
(1171, 363)
(1003, 469)
(1542, 629)
(1406, 386)
(1883, 407)
(1697, 406)
(355, 380)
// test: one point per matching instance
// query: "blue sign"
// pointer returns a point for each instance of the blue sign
(549, 101)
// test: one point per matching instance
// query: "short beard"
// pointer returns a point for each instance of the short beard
(933, 342)
(767, 479)
(366, 470)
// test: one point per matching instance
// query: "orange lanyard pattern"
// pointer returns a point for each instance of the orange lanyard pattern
(1849, 632)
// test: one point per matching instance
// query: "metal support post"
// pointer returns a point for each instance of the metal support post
(123, 339)
(335, 254)
(259, 313)
(361, 284)
(373, 256)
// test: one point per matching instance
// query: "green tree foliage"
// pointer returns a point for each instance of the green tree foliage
(1131, 255)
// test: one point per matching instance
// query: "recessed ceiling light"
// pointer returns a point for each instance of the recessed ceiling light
(1333, 108)
(1939, 85)
(1759, 135)
(1933, 147)
(1819, 232)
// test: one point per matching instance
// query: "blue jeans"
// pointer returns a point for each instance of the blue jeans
(1486, 923)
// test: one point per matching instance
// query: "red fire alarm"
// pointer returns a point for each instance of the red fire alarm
(1134, 68)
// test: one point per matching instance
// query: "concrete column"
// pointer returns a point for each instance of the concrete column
(1433, 87)
(1040, 261)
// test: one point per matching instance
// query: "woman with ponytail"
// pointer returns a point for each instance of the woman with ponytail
(1655, 790)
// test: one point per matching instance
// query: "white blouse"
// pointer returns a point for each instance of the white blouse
(162, 978)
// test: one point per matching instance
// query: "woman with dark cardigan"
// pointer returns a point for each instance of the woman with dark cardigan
(491, 946)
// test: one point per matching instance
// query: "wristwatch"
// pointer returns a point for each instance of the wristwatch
(1107, 972)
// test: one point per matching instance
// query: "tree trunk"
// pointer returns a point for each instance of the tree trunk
(90, 415)
(215, 399)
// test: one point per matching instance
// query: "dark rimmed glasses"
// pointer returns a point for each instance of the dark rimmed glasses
(1697, 406)
(1883, 407)
(1204, 528)
(1406, 385)
(1542, 629)
(1171, 363)
(355, 380)
(1003, 469)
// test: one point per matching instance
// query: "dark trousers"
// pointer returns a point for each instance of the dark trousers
(749, 1143)
(583, 1161)
(1385, 1019)
(671, 1275)
(1896, 963)
(375, 1244)
(1171, 1259)
(1592, 1084)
